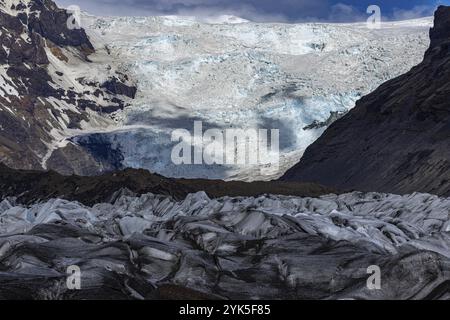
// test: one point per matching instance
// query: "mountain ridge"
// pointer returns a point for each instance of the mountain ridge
(41, 98)
(396, 139)
(35, 186)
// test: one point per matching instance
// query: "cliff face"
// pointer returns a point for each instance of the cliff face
(396, 139)
(43, 92)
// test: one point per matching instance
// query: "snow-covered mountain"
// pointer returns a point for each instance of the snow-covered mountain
(50, 84)
(294, 77)
(78, 115)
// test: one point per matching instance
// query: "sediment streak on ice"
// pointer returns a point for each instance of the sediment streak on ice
(250, 248)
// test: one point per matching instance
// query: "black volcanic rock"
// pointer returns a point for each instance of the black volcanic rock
(115, 86)
(34, 186)
(396, 139)
(20, 51)
(51, 24)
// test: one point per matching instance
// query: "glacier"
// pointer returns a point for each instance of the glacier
(232, 73)
(268, 247)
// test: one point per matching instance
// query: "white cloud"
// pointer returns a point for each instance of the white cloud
(341, 12)
(415, 12)
(255, 10)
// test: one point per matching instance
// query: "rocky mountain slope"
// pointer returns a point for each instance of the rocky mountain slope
(50, 84)
(397, 139)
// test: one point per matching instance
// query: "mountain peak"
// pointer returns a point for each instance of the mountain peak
(440, 33)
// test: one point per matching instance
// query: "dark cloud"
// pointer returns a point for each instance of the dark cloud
(260, 10)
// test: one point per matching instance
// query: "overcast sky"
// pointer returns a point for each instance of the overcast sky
(262, 10)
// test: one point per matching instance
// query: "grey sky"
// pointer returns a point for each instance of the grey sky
(261, 10)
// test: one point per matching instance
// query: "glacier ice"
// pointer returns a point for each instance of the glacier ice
(269, 247)
(243, 75)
